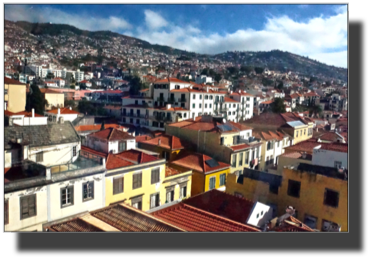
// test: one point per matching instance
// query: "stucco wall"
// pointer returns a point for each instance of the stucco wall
(322, 157)
(16, 97)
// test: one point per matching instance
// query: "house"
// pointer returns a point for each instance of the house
(45, 177)
(55, 99)
(67, 114)
(110, 139)
(142, 180)
(227, 141)
(23, 118)
(319, 193)
(207, 172)
(167, 146)
(14, 95)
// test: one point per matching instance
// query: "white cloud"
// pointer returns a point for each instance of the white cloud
(313, 37)
(48, 14)
(154, 20)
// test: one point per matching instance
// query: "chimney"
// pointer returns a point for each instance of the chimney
(69, 108)
(33, 112)
(59, 111)
(159, 141)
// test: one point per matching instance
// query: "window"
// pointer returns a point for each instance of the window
(337, 164)
(229, 105)
(131, 121)
(222, 179)
(278, 144)
(310, 221)
(331, 198)
(118, 185)
(234, 160)
(74, 151)
(300, 132)
(304, 132)
(206, 97)
(211, 97)
(246, 157)
(210, 105)
(222, 140)
(200, 105)
(5, 91)
(122, 146)
(67, 196)
(294, 188)
(6, 212)
(273, 189)
(296, 133)
(330, 226)
(28, 206)
(241, 159)
(205, 105)
(234, 105)
(169, 194)
(212, 183)
(155, 177)
(40, 157)
(88, 191)
(137, 180)
(200, 96)
(193, 105)
(137, 202)
(193, 96)
(229, 113)
(310, 131)
(183, 191)
(233, 113)
(154, 200)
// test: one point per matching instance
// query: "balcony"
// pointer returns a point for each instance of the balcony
(159, 99)
(182, 100)
(80, 164)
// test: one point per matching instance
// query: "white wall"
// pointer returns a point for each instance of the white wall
(28, 121)
(323, 157)
(31, 223)
(55, 154)
(54, 197)
(261, 213)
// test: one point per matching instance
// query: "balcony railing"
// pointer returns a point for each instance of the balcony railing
(182, 100)
(80, 163)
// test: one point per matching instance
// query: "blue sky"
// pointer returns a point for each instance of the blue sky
(317, 31)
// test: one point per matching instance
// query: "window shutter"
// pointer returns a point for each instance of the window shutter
(6, 212)
(32, 205)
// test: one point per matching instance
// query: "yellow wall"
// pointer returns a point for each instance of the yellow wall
(302, 137)
(16, 97)
(160, 150)
(288, 161)
(311, 197)
(55, 99)
(217, 180)
(238, 167)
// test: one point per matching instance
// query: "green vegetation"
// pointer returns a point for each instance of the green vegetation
(278, 105)
(36, 100)
(89, 108)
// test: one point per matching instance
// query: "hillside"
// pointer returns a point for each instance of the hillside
(68, 45)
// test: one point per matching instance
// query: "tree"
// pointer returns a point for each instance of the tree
(246, 69)
(36, 100)
(218, 77)
(135, 84)
(50, 75)
(70, 103)
(278, 105)
(232, 70)
(316, 110)
(280, 85)
(259, 70)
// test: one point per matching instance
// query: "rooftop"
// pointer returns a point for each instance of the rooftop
(63, 111)
(111, 134)
(199, 162)
(193, 219)
(168, 142)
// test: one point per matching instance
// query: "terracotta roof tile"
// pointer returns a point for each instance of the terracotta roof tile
(97, 127)
(111, 134)
(9, 81)
(168, 142)
(197, 161)
(193, 219)
(240, 147)
(170, 171)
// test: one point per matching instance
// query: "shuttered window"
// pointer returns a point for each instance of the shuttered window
(118, 185)
(6, 212)
(28, 206)
(212, 183)
(183, 191)
(137, 202)
(155, 177)
(222, 179)
(67, 196)
(122, 146)
(88, 191)
(154, 200)
(246, 157)
(40, 157)
(137, 180)
(74, 151)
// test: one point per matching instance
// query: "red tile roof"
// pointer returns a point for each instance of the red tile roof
(111, 134)
(142, 138)
(170, 171)
(240, 147)
(193, 219)
(197, 161)
(97, 127)
(168, 142)
(93, 151)
(223, 204)
(229, 100)
(63, 111)
(329, 136)
(9, 81)
(292, 224)
(308, 146)
(166, 80)
(25, 113)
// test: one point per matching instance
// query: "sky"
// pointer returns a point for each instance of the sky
(316, 31)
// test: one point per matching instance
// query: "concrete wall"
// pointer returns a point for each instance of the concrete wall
(55, 99)
(323, 157)
(55, 154)
(16, 97)
(28, 121)
(31, 223)
(54, 197)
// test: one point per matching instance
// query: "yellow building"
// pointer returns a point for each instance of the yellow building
(14, 95)
(207, 173)
(54, 99)
(141, 180)
(319, 194)
(167, 146)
